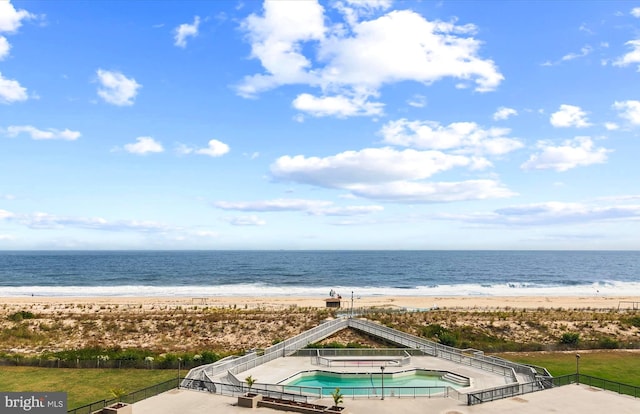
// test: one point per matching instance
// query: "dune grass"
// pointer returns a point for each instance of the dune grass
(83, 386)
(618, 366)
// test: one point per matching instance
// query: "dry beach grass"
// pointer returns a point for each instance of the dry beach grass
(230, 324)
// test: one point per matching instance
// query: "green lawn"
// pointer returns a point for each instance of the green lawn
(619, 366)
(83, 386)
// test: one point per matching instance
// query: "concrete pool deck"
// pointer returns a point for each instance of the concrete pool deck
(568, 399)
(280, 369)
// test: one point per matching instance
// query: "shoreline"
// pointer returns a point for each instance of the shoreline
(397, 302)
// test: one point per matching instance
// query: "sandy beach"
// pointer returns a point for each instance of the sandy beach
(280, 302)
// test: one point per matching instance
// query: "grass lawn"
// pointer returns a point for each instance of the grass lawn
(619, 366)
(83, 386)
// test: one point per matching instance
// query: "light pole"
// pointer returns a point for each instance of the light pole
(179, 360)
(578, 369)
(382, 376)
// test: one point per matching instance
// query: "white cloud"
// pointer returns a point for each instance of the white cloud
(276, 38)
(245, 221)
(578, 152)
(339, 106)
(357, 61)
(11, 90)
(631, 57)
(186, 30)
(504, 113)
(611, 126)
(312, 207)
(10, 18)
(370, 165)
(50, 221)
(465, 137)
(629, 110)
(288, 204)
(569, 116)
(144, 145)
(550, 213)
(433, 192)
(6, 237)
(116, 88)
(215, 148)
(388, 174)
(4, 47)
(584, 51)
(38, 134)
(4, 214)
(635, 12)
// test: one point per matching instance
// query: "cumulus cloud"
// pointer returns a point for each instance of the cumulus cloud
(635, 12)
(144, 145)
(339, 106)
(550, 213)
(186, 30)
(117, 89)
(312, 207)
(569, 116)
(629, 110)
(11, 90)
(504, 113)
(631, 57)
(4, 214)
(388, 174)
(38, 134)
(215, 148)
(10, 18)
(351, 63)
(465, 137)
(578, 152)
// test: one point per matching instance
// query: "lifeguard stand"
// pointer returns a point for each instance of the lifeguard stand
(333, 302)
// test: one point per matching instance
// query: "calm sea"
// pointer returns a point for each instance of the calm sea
(311, 273)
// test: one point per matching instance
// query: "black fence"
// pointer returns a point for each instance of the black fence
(99, 363)
(512, 390)
(129, 398)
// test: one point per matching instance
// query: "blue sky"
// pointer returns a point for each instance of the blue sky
(319, 125)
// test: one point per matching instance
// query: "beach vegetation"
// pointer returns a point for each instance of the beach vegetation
(20, 315)
(570, 338)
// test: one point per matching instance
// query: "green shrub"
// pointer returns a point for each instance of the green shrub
(20, 315)
(570, 338)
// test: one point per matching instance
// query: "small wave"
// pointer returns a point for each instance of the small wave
(603, 288)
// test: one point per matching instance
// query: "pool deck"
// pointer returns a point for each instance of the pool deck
(280, 369)
(569, 399)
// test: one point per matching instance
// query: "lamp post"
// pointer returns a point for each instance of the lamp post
(578, 369)
(179, 360)
(382, 376)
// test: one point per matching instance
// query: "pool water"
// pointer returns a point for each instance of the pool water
(368, 382)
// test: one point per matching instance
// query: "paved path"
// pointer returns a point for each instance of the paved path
(569, 399)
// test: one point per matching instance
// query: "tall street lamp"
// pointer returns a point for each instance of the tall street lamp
(578, 369)
(382, 375)
(179, 360)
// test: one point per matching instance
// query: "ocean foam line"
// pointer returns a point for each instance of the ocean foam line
(610, 288)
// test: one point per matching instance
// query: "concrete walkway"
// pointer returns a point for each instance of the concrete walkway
(569, 399)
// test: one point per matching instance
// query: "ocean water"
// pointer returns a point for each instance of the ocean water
(312, 273)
